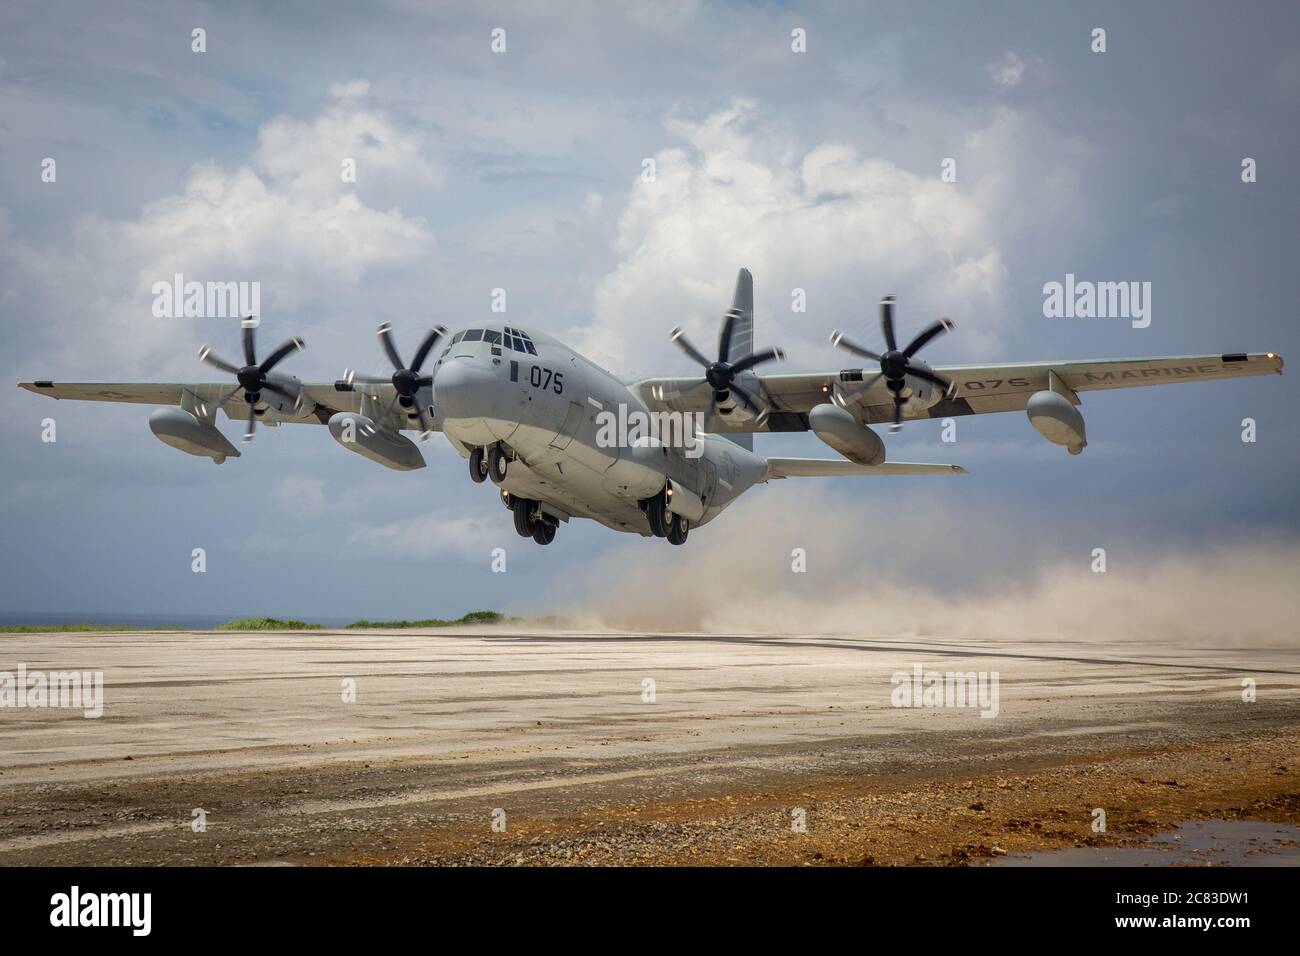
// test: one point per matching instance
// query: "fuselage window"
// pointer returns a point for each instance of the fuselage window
(474, 335)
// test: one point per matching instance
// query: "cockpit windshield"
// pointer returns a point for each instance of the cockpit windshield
(515, 339)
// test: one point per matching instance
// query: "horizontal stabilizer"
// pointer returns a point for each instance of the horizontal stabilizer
(834, 468)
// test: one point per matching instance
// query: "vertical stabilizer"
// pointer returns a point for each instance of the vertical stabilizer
(742, 336)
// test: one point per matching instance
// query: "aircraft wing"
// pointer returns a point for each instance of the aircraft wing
(838, 467)
(328, 397)
(979, 389)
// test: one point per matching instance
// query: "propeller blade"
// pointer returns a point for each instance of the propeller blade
(757, 358)
(227, 397)
(250, 350)
(426, 347)
(252, 425)
(205, 355)
(419, 417)
(678, 337)
(724, 334)
(284, 392)
(872, 381)
(935, 328)
(386, 340)
(278, 355)
(839, 340)
(887, 322)
(898, 414)
(424, 381)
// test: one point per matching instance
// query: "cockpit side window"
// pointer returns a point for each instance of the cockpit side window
(457, 337)
(492, 336)
(474, 335)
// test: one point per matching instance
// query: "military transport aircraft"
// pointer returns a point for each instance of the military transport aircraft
(564, 438)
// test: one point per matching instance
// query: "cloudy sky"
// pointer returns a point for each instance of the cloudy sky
(522, 170)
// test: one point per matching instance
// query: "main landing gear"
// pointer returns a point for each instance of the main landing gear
(664, 523)
(530, 520)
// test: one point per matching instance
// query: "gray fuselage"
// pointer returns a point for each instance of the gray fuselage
(543, 402)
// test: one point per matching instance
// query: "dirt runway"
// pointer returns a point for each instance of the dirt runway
(501, 747)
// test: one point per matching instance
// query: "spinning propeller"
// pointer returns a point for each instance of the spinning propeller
(407, 382)
(253, 376)
(896, 364)
(721, 375)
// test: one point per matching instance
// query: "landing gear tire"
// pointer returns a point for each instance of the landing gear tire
(477, 466)
(657, 515)
(543, 531)
(678, 528)
(524, 515)
(497, 464)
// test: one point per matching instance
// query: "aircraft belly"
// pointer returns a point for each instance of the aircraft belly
(544, 473)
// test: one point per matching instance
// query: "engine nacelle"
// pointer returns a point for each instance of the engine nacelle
(919, 392)
(1057, 420)
(194, 436)
(358, 433)
(730, 409)
(846, 435)
(292, 405)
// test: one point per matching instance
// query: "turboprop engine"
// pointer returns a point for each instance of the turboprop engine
(846, 435)
(192, 435)
(359, 433)
(1057, 420)
(725, 403)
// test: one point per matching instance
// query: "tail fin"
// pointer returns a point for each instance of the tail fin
(742, 337)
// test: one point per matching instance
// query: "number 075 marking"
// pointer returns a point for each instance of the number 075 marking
(545, 379)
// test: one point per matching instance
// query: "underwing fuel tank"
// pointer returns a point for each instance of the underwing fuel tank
(391, 449)
(1057, 420)
(846, 435)
(194, 436)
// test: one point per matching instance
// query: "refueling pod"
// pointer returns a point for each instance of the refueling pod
(846, 435)
(1057, 420)
(192, 435)
(359, 433)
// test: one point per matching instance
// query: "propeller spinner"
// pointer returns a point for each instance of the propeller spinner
(252, 377)
(895, 363)
(721, 374)
(406, 380)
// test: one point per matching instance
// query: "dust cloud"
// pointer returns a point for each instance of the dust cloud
(921, 570)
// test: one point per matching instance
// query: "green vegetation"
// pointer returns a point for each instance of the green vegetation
(263, 624)
(473, 617)
(84, 626)
(266, 624)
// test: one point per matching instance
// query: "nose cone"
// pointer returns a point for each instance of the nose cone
(465, 388)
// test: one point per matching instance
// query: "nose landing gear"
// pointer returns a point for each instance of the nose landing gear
(478, 469)
(497, 463)
(488, 463)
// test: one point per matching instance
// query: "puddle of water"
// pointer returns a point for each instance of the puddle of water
(1198, 843)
